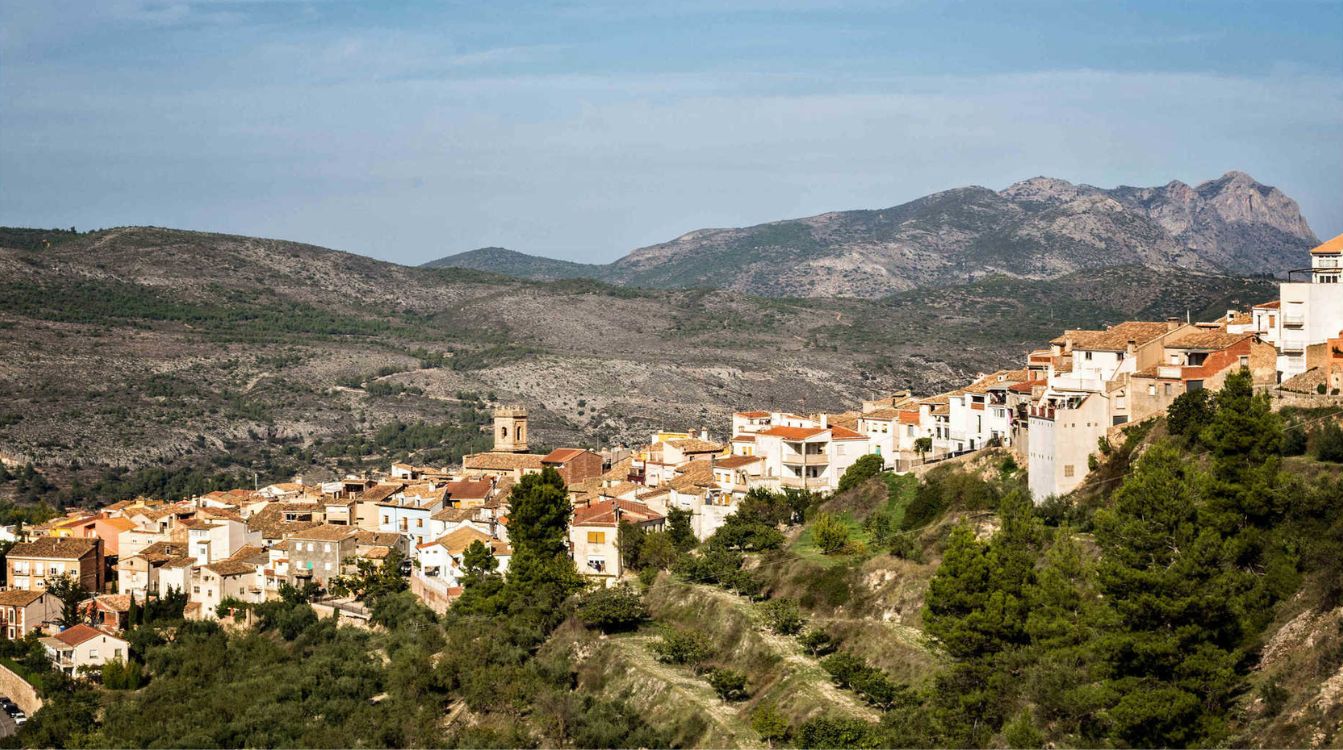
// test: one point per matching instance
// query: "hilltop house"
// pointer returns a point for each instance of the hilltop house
(23, 611)
(84, 646)
(29, 564)
(593, 535)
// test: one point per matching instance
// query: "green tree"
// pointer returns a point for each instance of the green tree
(860, 471)
(630, 542)
(478, 563)
(1328, 442)
(70, 594)
(923, 446)
(830, 534)
(1189, 413)
(679, 529)
(613, 609)
(1172, 646)
(541, 575)
(783, 616)
(371, 579)
(729, 684)
(769, 724)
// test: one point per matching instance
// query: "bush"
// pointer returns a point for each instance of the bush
(830, 534)
(613, 609)
(1329, 442)
(817, 642)
(1189, 413)
(827, 732)
(1294, 441)
(860, 471)
(783, 616)
(682, 647)
(906, 547)
(769, 724)
(729, 684)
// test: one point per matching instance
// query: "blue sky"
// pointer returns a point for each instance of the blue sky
(582, 130)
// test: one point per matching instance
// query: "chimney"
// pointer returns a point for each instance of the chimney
(825, 421)
(1131, 348)
(1172, 323)
(704, 434)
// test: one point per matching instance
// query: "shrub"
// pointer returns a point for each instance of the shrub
(1189, 413)
(769, 724)
(613, 609)
(729, 684)
(1320, 388)
(783, 616)
(817, 642)
(682, 647)
(1329, 442)
(830, 534)
(1294, 441)
(843, 668)
(824, 731)
(860, 471)
(906, 547)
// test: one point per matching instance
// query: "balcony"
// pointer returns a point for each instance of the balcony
(1294, 321)
(795, 458)
(803, 483)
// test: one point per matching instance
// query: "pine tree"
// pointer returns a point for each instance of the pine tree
(1175, 623)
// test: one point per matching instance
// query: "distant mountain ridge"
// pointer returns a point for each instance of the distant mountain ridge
(1039, 228)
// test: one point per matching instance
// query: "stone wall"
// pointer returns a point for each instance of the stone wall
(18, 689)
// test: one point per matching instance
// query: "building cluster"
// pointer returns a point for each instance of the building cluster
(1054, 412)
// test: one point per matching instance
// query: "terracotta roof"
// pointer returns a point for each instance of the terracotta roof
(743, 438)
(619, 470)
(885, 414)
(119, 523)
(561, 455)
(64, 548)
(909, 416)
(381, 491)
(457, 540)
(1027, 386)
(231, 568)
(848, 419)
(1202, 339)
(77, 634)
(690, 475)
(792, 433)
(183, 561)
(1272, 304)
(838, 432)
(499, 461)
(1115, 338)
(325, 533)
(1329, 247)
(694, 445)
(733, 462)
(382, 538)
(378, 552)
(19, 597)
(752, 414)
(469, 489)
(603, 513)
(454, 514)
(113, 602)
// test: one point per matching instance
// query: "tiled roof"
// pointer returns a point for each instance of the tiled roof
(792, 433)
(469, 489)
(735, 462)
(77, 634)
(1115, 338)
(499, 461)
(383, 538)
(1329, 247)
(1201, 339)
(743, 438)
(1272, 304)
(619, 470)
(64, 548)
(885, 414)
(325, 533)
(694, 445)
(752, 414)
(19, 597)
(844, 433)
(454, 514)
(382, 491)
(848, 419)
(231, 568)
(909, 416)
(457, 540)
(561, 455)
(603, 513)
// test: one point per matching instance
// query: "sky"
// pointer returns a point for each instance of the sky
(582, 130)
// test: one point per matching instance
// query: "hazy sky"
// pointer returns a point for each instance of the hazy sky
(582, 130)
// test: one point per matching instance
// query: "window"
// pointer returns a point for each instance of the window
(596, 537)
(326, 566)
(386, 519)
(1086, 355)
(327, 547)
(93, 653)
(419, 523)
(1167, 389)
(1151, 389)
(1067, 470)
(195, 589)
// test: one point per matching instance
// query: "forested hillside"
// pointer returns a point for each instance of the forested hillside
(1187, 596)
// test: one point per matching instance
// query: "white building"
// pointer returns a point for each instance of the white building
(1311, 311)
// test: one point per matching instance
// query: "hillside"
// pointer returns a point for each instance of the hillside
(138, 346)
(520, 265)
(1040, 228)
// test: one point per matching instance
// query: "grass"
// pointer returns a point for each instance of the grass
(805, 547)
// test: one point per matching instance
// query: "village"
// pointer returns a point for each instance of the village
(1054, 414)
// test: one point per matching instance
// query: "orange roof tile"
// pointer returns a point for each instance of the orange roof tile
(1329, 247)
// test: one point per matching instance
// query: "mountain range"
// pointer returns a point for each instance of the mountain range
(1041, 228)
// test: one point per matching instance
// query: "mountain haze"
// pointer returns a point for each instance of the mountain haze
(1039, 228)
